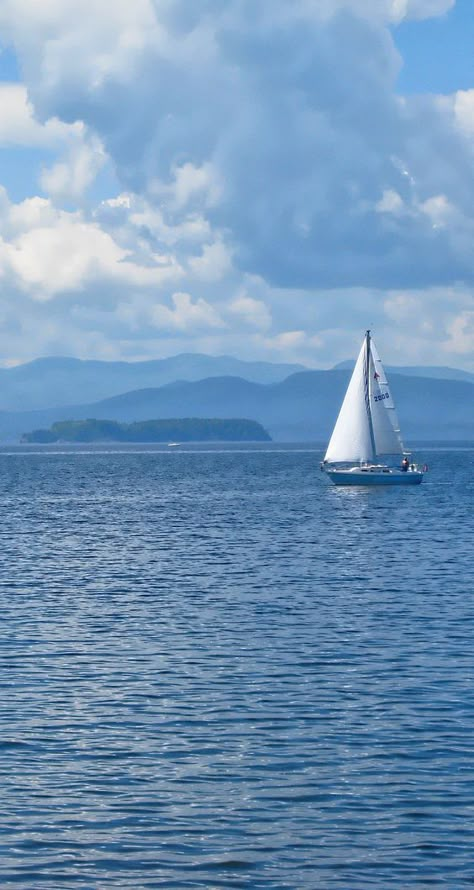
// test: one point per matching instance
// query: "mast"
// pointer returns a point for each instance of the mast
(367, 391)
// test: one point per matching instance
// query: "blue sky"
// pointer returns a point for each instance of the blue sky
(438, 53)
(264, 180)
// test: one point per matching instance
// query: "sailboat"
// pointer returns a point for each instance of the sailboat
(366, 447)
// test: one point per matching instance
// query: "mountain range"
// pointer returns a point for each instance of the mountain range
(54, 382)
(441, 372)
(301, 407)
(50, 382)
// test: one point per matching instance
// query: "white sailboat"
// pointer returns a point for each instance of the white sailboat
(367, 431)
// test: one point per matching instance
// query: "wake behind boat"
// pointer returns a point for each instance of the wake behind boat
(367, 432)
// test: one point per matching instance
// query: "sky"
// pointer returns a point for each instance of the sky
(255, 178)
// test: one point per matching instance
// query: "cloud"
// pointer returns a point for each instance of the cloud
(428, 327)
(69, 178)
(461, 334)
(186, 314)
(253, 312)
(271, 179)
(463, 102)
(390, 202)
(189, 184)
(19, 127)
(213, 263)
(47, 252)
(241, 115)
(82, 156)
(418, 9)
(297, 346)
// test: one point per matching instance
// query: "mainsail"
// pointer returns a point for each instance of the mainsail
(367, 424)
(352, 438)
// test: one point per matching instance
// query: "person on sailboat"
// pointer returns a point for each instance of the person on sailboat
(405, 464)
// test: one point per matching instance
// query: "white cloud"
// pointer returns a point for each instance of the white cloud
(190, 183)
(69, 178)
(142, 315)
(253, 312)
(292, 346)
(419, 322)
(183, 100)
(214, 263)
(186, 314)
(461, 334)
(438, 209)
(249, 161)
(403, 307)
(49, 252)
(390, 202)
(464, 111)
(19, 127)
(82, 154)
(48, 261)
(55, 33)
(191, 229)
(419, 9)
(32, 213)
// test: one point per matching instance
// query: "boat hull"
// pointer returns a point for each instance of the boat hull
(361, 477)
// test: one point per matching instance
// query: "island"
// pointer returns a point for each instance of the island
(190, 429)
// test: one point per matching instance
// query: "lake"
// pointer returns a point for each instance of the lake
(220, 671)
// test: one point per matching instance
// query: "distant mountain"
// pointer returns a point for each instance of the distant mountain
(58, 382)
(303, 407)
(54, 382)
(439, 371)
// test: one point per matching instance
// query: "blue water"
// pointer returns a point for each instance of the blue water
(219, 671)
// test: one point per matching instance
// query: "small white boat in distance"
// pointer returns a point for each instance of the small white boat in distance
(367, 433)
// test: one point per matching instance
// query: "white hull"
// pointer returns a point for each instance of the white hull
(374, 476)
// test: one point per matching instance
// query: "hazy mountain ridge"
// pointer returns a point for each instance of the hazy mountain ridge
(302, 407)
(53, 382)
(440, 372)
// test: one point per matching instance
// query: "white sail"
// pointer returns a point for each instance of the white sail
(367, 430)
(352, 438)
(384, 416)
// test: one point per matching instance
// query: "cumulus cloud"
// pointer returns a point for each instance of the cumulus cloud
(213, 263)
(463, 102)
(390, 202)
(389, 10)
(187, 314)
(295, 345)
(46, 252)
(461, 334)
(81, 153)
(261, 149)
(69, 178)
(418, 9)
(254, 312)
(241, 114)
(182, 315)
(19, 127)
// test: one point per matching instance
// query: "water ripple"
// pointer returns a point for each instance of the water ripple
(218, 671)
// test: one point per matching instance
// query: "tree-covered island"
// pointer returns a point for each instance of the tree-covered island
(193, 429)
